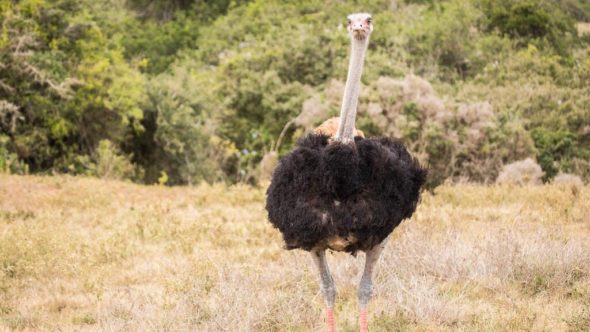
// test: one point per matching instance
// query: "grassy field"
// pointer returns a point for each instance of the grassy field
(86, 254)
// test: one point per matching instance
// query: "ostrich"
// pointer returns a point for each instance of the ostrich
(341, 191)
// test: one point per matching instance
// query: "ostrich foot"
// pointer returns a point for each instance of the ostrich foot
(330, 318)
(363, 319)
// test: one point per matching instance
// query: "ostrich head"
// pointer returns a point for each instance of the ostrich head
(360, 25)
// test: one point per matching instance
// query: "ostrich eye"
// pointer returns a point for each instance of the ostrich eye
(369, 20)
(348, 22)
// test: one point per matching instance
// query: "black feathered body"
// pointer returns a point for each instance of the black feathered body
(343, 197)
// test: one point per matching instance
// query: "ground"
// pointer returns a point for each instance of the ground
(86, 254)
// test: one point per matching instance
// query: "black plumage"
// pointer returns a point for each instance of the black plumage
(359, 192)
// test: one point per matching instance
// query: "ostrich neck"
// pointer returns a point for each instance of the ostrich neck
(345, 132)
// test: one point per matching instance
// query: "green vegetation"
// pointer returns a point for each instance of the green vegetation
(189, 91)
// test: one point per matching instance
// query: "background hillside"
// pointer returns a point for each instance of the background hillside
(184, 91)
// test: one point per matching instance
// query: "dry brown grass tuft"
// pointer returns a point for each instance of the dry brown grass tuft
(583, 28)
(523, 172)
(84, 254)
(568, 179)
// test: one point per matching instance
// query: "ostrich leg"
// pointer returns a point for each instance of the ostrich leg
(326, 285)
(366, 284)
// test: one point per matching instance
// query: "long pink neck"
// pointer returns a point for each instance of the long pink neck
(345, 132)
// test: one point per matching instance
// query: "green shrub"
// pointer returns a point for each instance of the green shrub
(9, 162)
(554, 148)
(200, 91)
(445, 36)
(578, 9)
(111, 164)
(530, 20)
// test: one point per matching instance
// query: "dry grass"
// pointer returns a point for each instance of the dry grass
(523, 172)
(583, 28)
(84, 254)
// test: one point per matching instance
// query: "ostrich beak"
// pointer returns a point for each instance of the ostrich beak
(359, 33)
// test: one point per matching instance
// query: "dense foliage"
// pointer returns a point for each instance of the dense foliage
(184, 91)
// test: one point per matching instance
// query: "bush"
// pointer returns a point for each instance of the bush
(530, 20)
(201, 90)
(182, 139)
(524, 172)
(578, 9)
(553, 147)
(568, 179)
(445, 37)
(111, 164)
(9, 162)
